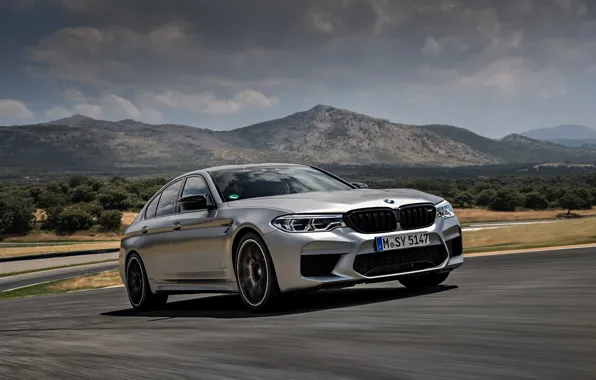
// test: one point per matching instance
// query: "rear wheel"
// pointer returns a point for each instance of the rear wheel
(137, 286)
(255, 274)
(423, 280)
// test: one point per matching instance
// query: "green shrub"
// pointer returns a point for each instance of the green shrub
(535, 201)
(73, 220)
(110, 220)
(82, 193)
(114, 198)
(17, 213)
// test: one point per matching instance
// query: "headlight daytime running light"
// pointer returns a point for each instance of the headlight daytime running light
(309, 223)
(444, 210)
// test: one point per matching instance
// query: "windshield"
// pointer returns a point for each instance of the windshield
(263, 182)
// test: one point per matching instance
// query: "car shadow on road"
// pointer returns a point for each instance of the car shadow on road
(230, 306)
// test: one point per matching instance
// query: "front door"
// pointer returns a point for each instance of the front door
(198, 244)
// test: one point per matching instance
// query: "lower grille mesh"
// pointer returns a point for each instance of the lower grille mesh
(400, 261)
(318, 265)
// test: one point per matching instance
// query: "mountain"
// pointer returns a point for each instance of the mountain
(570, 135)
(72, 120)
(322, 135)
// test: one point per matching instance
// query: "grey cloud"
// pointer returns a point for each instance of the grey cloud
(208, 52)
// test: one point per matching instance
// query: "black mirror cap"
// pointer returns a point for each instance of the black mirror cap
(193, 202)
(360, 185)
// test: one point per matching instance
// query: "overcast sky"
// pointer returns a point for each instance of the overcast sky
(491, 66)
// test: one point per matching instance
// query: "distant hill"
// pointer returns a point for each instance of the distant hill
(322, 135)
(570, 135)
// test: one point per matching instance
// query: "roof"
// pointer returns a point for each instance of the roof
(247, 166)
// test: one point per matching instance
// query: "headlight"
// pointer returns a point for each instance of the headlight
(444, 210)
(308, 223)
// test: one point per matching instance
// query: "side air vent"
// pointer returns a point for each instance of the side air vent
(318, 265)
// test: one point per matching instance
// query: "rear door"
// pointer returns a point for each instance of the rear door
(198, 243)
(159, 256)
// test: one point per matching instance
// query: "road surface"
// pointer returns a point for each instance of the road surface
(520, 316)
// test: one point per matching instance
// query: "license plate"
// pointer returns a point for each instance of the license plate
(385, 243)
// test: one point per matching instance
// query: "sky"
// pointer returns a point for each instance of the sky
(492, 66)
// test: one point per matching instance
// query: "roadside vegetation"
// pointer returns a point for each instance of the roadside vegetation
(84, 209)
(76, 205)
(41, 249)
(94, 281)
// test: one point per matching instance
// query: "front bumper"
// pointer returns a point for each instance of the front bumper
(342, 254)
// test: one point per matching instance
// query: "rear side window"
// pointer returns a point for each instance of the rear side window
(168, 199)
(150, 213)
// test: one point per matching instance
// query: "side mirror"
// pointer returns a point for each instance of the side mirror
(360, 185)
(193, 202)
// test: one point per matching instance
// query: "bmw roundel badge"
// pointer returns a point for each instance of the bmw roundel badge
(390, 201)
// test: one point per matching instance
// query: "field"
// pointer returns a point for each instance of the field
(566, 232)
(39, 249)
(477, 215)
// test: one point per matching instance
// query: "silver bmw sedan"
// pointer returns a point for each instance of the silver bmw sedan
(261, 230)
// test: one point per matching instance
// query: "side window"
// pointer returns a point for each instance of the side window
(150, 213)
(168, 199)
(195, 186)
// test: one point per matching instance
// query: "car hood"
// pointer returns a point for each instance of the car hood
(338, 201)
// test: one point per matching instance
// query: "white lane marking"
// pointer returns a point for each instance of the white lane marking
(492, 226)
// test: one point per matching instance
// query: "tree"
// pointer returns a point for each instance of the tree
(76, 180)
(114, 198)
(484, 197)
(504, 200)
(463, 199)
(74, 219)
(536, 201)
(52, 218)
(48, 199)
(110, 220)
(576, 199)
(17, 213)
(93, 208)
(82, 193)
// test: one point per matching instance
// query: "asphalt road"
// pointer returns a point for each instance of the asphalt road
(13, 282)
(519, 316)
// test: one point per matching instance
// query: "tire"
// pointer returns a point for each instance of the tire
(137, 286)
(424, 280)
(255, 274)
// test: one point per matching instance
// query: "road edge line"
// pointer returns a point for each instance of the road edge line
(530, 250)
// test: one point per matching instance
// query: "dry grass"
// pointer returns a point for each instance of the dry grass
(94, 281)
(128, 217)
(83, 236)
(100, 280)
(475, 215)
(22, 251)
(566, 232)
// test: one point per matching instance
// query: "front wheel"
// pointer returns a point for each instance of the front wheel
(137, 286)
(255, 274)
(423, 280)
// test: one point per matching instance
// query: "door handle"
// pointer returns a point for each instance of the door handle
(144, 229)
(176, 226)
